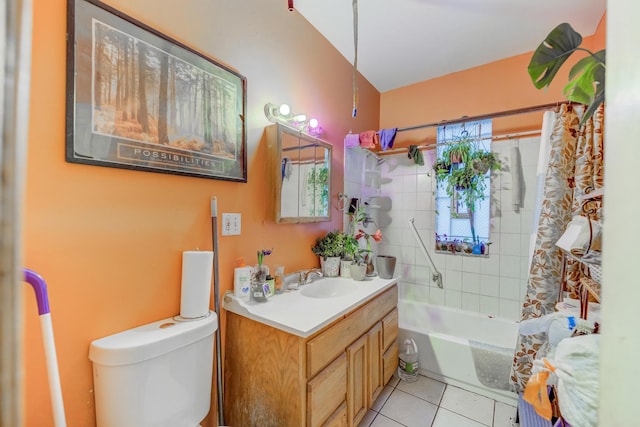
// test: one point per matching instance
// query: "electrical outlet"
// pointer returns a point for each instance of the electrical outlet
(231, 223)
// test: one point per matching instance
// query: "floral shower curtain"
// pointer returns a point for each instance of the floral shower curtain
(575, 168)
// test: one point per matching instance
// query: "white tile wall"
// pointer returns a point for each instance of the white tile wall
(495, 285)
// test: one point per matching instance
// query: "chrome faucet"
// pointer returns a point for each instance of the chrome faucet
(311, 275)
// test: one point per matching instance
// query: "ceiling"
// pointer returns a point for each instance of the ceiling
(401, 42)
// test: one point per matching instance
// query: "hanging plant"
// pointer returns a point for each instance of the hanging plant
(465, 180)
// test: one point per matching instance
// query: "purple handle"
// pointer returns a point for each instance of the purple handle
(40, 288)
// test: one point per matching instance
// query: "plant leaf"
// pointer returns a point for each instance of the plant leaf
(547, 59)
(586, 77)
(586, 85)
(599, 99)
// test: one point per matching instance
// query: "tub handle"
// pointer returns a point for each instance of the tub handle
(436, 276)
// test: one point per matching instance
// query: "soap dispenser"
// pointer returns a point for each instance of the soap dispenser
(242, 281)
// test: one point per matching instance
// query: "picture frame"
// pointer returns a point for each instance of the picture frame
(137, 99)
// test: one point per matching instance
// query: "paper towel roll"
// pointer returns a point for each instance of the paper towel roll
(197, 267)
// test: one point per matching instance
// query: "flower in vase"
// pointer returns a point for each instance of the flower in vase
(261, 254)
(377, 236)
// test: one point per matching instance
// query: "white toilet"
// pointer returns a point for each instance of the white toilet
(157, 374)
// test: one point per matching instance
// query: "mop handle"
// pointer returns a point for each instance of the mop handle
(216, 297)
(40, 288)
(42, 298)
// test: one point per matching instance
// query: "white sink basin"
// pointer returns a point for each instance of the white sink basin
(328, 289)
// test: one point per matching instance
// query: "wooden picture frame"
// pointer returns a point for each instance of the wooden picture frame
(137, 99)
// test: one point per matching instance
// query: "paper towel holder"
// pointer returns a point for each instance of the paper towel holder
(179, 318)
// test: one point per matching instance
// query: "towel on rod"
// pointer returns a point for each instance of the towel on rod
(387, 136)
(415, 154)
(351, 140)
(517, 183)
(368, 139)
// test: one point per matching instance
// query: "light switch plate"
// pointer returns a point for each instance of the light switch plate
(231, 224)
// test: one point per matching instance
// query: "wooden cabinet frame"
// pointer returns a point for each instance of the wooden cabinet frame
(274, 378)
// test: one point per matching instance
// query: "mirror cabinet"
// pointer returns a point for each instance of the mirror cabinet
(299, 169)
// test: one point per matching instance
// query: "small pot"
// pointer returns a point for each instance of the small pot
(345, 271)
(358, 271)
(330, 266)
(386, 266)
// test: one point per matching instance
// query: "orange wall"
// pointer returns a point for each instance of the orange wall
(109, 241)
(497, 86)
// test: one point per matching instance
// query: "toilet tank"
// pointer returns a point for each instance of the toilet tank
(157, 374)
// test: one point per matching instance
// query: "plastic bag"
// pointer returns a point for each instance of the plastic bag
(575, 371)
(535, 393)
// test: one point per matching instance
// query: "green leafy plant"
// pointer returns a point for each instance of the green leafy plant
(358, 222)
(331, 245)
(468, 176)
(351, 248)
(586, 77)
(463, 167)
(353, 251)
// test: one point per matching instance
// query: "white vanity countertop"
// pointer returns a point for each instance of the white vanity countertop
(301, 315)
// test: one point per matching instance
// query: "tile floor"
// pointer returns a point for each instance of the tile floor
(430, 403)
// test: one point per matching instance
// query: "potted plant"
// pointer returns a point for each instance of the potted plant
(351, 249)
(460, 152)
(330, 249)
(358, 268)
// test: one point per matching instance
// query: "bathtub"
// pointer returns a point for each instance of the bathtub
(465, 349)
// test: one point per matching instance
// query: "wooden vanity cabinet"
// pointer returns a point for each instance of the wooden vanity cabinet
(274, 378)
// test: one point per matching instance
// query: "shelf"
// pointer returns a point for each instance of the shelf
(592, 287)
(592, 260)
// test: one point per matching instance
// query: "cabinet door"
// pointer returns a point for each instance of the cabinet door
(390, 328)
(357, 364)
(375, 370)
(325, 392)
(390, 362)
(338, 418)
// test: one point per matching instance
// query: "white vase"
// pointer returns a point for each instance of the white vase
(358, 271)
(345, 271)
(330, 266)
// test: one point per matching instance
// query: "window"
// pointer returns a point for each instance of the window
(459, 227)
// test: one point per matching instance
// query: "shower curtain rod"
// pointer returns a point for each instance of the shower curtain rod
(514, 135)
(505, 113)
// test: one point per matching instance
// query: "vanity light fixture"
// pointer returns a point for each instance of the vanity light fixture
(282, 114)
(277, 112)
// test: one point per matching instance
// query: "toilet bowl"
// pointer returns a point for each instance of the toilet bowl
(157, 374)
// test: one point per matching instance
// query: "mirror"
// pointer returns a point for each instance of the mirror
(299, 167)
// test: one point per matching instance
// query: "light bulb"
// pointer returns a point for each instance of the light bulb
(313, 123)
(300, 118)
(284, 110)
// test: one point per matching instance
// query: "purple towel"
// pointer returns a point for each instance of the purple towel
(387, 136)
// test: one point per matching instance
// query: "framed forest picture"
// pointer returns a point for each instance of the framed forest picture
(137, 99)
